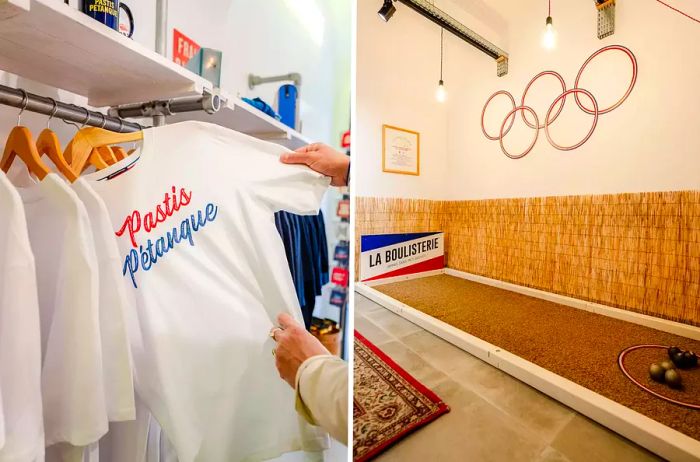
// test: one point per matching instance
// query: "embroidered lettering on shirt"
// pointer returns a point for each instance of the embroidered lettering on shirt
(145, 256)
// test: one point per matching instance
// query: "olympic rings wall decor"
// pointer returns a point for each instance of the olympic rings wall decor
(563, 89)
(512, 101)
(595, 111)
(536, 127)
(629, 89)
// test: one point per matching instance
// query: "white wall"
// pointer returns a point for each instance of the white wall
(275, 37)
(397, 74)
(647, 144)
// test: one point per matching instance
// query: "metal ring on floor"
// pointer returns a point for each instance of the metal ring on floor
(621, 363)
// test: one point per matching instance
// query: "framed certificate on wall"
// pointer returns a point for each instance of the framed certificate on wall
(400, 150)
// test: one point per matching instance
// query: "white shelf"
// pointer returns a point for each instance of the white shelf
(238, 115)
(50, 42)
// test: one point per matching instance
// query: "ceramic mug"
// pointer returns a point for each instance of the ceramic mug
(104, 11)
(126, 20)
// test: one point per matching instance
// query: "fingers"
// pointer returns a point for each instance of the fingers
(285, 321)
(310, 147)
(274, 332)
(295, 157)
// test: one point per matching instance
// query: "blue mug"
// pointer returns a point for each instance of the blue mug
(104, 11)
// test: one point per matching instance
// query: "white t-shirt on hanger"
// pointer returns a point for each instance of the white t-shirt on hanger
(193, 212)
(115, 308)
(73, 394)
(20, 341)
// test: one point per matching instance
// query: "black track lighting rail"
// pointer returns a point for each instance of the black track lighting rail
(450, 24)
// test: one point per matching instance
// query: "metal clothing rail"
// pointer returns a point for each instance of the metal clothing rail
(67, 112)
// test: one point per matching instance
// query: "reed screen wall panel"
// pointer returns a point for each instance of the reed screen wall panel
(637, 251)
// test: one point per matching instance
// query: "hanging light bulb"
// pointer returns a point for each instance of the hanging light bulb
(441, 93)
(549, 36)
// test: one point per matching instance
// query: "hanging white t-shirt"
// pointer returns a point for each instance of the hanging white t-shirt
(20, 342)
(114, 308)
(72, 379)
(193, 212)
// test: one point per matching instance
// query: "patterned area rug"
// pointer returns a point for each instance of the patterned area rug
(388, 403)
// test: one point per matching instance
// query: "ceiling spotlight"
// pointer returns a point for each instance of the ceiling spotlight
(387, 10)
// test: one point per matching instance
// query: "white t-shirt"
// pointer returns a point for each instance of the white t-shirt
(114, 307)
(20, 342)
(72, 379)
(193, 212)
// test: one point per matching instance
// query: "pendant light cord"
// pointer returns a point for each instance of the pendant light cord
(442, 31)
(549, 11)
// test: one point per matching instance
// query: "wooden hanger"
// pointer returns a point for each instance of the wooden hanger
(120, 153)
(79, 150)
(94, 157)
(21, 144)
(48, 144)
(107, 154)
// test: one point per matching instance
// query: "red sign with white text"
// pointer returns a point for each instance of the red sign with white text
(183, 48)
(340, 276)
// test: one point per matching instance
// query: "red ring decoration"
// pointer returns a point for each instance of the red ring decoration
(620, 362)
(537, 131)
(632, 58)
(483, 111)
(563, 88)
(595, 113)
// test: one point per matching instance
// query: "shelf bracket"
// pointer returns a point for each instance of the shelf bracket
(255, 80)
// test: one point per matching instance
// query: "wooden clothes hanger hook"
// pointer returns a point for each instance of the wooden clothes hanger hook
(53, 113)
(25, 102)
(87, 118)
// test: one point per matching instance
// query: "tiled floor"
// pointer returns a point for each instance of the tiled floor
(493, 416)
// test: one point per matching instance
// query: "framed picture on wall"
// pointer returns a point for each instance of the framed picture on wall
(400, 150)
